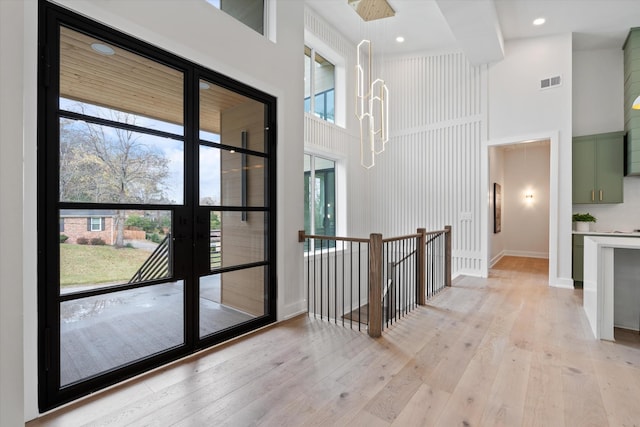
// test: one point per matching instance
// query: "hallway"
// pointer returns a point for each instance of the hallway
(507, 350)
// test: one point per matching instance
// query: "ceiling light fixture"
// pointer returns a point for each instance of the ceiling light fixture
(370, 10)
(102, 49)
(636, 104)
(539, 21)
(400, 39)
(372, 105)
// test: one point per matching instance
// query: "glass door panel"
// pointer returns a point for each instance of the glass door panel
(102, 332)
(154, 218)
(231, 119)
(233, 198)
(90, 257)
(230, 299)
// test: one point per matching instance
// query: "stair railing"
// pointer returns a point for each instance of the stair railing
(374, 281)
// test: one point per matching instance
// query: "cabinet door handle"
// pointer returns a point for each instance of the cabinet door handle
(593, 195)
(600, 195)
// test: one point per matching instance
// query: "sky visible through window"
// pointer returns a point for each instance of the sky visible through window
(172, 150)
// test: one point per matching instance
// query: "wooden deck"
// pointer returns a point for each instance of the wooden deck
(507, 350)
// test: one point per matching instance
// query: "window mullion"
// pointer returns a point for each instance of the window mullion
(312, 86)
(312, 198)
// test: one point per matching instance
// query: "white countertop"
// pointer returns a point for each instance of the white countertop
(609, 233)
(598, 304)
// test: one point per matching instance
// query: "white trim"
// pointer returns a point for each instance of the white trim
(339, 75)
(526, 254)
(496, 259)
(554, 150)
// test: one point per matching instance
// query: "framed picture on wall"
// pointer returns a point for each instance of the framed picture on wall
(497, 207)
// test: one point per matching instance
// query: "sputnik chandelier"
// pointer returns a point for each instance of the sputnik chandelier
(372, 108)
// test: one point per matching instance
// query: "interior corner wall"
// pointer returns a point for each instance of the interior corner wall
(496, 175)
(518, 107)
(191, 30)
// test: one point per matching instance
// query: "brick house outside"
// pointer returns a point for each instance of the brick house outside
(88, 224)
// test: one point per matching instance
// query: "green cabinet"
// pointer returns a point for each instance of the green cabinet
(578, 258)
(631, 91)
(598, 168)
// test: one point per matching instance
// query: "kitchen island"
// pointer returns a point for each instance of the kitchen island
(611, 283)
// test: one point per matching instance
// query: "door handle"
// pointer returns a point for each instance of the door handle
(593, 195)
(600, 195)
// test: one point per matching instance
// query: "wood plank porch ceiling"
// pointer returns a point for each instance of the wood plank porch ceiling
(131, 83)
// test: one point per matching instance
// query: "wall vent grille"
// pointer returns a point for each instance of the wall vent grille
(550, 82)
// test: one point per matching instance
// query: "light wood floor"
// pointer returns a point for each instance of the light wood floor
(507, 350)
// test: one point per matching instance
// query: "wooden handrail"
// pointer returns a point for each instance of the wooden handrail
(302, 237)
(394, 239)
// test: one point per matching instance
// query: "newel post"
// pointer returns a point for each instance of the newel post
(447, 268)
(375, 285)
(420, 276)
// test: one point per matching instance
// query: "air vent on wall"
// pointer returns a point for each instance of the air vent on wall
(550, 82)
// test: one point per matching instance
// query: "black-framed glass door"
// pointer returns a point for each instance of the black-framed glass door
(156, 220)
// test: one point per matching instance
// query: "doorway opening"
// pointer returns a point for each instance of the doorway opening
(520, 177)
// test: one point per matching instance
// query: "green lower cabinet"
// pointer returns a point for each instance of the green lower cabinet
(598, 168)
(578, 258)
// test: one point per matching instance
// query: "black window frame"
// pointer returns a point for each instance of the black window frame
(185, 215)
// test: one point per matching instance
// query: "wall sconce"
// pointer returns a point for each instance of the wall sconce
(528, 196)
(636, 104)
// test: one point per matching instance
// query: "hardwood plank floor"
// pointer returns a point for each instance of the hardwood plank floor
(507, 350)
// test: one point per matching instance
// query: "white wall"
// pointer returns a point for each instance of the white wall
(517, 107)
(598, 86)
(526, 221)
(12, 52)
(191, 29)
(496, 175)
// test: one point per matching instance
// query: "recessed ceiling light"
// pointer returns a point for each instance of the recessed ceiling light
(539, 21)
(400, 39)
(204, 85)
(103, 49)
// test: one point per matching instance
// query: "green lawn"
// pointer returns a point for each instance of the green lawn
(84, 264)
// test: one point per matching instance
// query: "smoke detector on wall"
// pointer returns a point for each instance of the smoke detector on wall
(549, 82)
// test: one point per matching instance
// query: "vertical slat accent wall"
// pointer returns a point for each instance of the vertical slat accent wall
(430, 172)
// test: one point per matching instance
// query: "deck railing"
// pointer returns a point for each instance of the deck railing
(359, 282)
(158, 265)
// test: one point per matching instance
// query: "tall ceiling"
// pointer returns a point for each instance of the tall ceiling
(477, 25)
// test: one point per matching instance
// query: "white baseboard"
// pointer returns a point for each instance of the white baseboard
(527, 254)
(495, 259)
(561, 283)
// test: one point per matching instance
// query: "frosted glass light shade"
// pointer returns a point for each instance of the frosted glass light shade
(636, 103)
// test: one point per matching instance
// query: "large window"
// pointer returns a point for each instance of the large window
(319, 88)
(249, 12)
(156, 190)
(319, 196)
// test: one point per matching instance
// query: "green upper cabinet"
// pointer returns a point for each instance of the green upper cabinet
(598, 168)
(631, 91)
